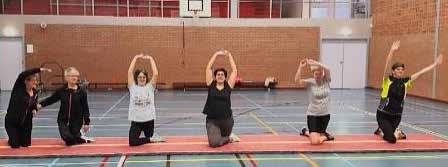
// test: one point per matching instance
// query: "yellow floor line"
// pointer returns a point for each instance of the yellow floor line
(263, 124)
(308, 160)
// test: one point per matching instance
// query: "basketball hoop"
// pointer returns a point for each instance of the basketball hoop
(195, 8)
(195, 14)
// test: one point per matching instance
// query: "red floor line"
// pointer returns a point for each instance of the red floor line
(103, 162)
(251, 160)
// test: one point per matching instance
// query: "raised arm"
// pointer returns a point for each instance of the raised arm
(20, 82)
(131, 70)
(392, 50)
(155, 71)
(298, 76)
(208, 70)
(428, 68)
(234, 74)
(327, 74)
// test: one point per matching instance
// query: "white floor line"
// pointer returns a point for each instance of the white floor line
(264, 109)
(113, 106)
(345, 160)
(405, 124)
(53, 163)
(121, 161)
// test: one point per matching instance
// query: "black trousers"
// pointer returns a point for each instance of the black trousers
(136, 130)
(218, 131)
(71, 133)
(19, 132)
(317, 124)
(388, 124)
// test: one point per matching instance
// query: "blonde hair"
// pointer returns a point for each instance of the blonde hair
(70, 70)
(319, 69)
(315, 67)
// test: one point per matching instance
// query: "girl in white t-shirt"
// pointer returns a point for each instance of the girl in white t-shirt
(141, 105)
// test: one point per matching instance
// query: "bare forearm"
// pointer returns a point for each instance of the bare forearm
(208, 70)
(388, 60)
(298, 75)
(424, 70)
(132, 65)
(232, 63)
(210, 63)
(155, 71)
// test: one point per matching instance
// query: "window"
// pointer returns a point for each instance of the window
(33, 7)
(342, 9)
(12, 7)
(220, 8)
(72, 7)
(320, 9)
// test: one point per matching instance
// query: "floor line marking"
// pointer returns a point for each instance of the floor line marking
(114, 105)
(122, 161)
(53, 162)
(367, 158)
(424, 130)
(308, 160)
(252, 160)
(345, 160)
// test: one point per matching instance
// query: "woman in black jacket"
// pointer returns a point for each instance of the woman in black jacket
(22, 106)
(73, 111)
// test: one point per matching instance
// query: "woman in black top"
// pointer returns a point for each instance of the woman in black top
(393, 94)
(22, 106)
(219, 121)
(74, 109)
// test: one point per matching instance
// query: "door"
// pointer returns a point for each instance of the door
(347, 60)
(11, 61)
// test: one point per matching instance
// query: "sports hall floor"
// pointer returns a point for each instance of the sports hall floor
(255, 112)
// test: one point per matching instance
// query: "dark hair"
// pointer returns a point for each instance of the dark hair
(220, 69)
(137, 72)
(396, 65)
(29, 77)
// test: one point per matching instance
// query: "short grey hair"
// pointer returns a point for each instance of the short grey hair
(69, 70)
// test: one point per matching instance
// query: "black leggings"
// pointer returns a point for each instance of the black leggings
(19, 135)
(218, 131)
(136, 130)
(71, 133)
(388, 124)
(318, 123)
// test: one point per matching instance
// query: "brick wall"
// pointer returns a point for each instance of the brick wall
(442, 77)
(103, 53)
(412, 22)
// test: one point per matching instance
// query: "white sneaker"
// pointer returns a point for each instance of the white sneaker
(86, 138)
(234, 138)
(156, 138)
